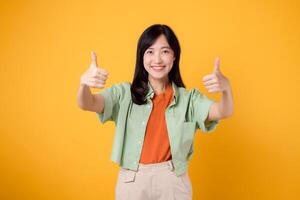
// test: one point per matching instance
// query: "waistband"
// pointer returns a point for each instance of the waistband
(162, 165)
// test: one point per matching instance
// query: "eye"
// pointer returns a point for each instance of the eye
(149, 52)
(166, 51)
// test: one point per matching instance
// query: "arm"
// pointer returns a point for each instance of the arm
(88, 101)
(222, 109)
(93, 77)
(217, 82)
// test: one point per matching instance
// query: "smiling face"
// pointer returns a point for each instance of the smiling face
(158, 59)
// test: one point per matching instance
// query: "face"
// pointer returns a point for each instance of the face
(158, 59)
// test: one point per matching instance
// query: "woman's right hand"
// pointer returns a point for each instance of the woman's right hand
(95, 76)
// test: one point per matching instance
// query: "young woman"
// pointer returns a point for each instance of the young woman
(155, 117)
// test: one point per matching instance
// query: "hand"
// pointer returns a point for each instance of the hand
(216, 82)
(95, 76)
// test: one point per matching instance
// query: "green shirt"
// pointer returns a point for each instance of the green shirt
(186, 113)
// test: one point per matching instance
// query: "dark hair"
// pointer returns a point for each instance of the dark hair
(139, 87)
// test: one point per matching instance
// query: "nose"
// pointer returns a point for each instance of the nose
(157, 58)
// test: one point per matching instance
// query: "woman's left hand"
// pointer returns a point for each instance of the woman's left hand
(216, 82)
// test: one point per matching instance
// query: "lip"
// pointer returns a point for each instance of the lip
(157, 68)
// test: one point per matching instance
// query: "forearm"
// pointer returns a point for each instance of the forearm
(85, 98)
(225, 106)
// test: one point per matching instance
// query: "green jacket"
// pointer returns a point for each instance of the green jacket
(186, 113)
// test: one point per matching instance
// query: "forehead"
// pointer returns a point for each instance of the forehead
(160, 42)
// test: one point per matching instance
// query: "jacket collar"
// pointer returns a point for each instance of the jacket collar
(150, 93)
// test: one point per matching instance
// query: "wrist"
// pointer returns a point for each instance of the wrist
(82, 84)
(227, 89)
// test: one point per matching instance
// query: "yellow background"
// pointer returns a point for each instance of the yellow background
(50, 149)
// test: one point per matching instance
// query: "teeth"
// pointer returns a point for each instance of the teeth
(157, 67)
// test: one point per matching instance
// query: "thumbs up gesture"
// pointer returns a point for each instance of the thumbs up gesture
(94, 76)
(216, 82)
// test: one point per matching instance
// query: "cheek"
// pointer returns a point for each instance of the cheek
(146, 62)
(169, 62)
(145, 65)
(169, 59)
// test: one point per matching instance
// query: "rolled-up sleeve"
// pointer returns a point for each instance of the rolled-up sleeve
(112, 98)
(200, 110)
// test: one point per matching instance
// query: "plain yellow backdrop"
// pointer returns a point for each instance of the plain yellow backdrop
(50, 149)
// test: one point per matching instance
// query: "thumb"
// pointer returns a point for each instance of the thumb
(217, 65)
(93, 59)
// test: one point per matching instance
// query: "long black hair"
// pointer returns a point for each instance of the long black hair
(139, 87)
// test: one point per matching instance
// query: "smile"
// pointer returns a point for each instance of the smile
(157, 68)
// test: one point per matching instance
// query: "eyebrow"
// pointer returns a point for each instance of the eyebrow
(164, 47)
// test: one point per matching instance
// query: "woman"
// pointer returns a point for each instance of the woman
(155, 117)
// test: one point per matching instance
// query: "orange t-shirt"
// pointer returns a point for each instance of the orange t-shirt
(156, 147)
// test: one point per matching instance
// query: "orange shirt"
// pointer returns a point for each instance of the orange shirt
(156, 147)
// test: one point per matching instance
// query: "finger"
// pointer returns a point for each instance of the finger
(99, 73)
(101, 81)
(94, 59)
(212, 86)
(217, 64)
(103, 72)
(208, 77)
(99, 86)
(213, 90)
(94, 83)
(210, 82)
(99, 76)
(97, 80)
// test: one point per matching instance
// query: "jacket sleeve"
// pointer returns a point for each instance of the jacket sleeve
(200, 105)
(112, 97)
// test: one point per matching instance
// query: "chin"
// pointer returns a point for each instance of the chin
(157, 77)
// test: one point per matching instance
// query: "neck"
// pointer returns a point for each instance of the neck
(159, 86)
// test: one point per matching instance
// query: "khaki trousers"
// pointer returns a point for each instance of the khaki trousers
(153, 182)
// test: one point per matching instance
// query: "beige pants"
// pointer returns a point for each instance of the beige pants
(153, 182)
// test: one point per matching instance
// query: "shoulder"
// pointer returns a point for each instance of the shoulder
(192, 96)
(122, 86)
(183, 92)
(122, 89)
